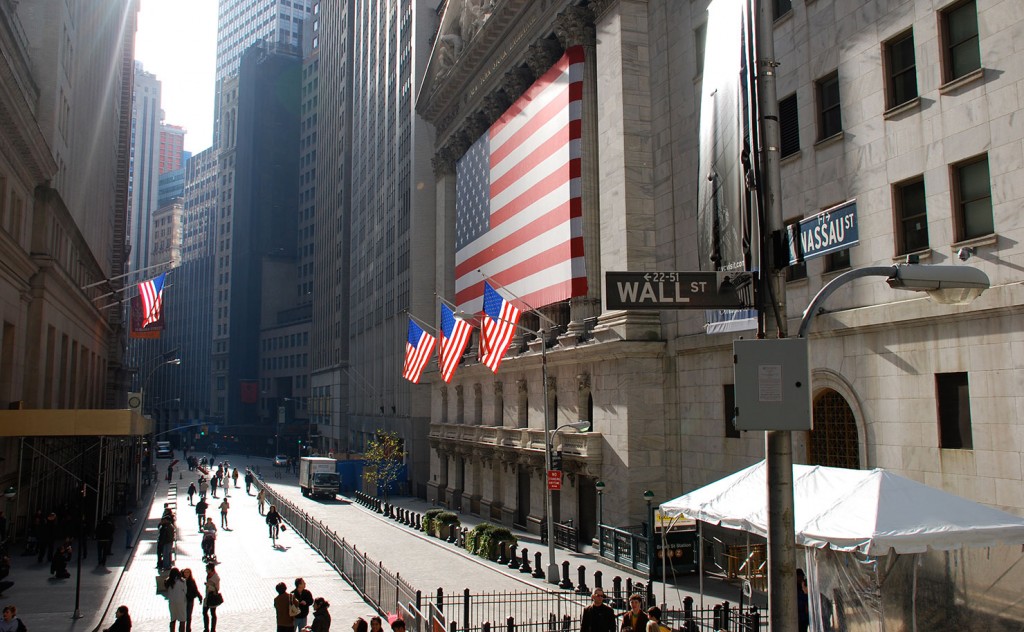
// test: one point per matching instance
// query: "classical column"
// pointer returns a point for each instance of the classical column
(478, 404)
(499, 404)
(575, 27)
(444, 193)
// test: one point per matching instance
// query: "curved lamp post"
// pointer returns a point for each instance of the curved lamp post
(579, 426)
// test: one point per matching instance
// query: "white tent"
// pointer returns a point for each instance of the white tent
(870, 511)
(857, 528)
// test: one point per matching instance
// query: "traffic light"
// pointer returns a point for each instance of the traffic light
(202, 431)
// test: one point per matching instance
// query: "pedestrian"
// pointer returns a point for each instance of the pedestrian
(248, 482)
(654, 620)
(204, 487)
(375, 624)
(164, 544)
(803, 612)
(214, 481)
(359, 625)
(10, 621)
(213, 598)
(283, 603)
(191, 594)
(273, 521)
(5, 570)
(191, 491)
(634, 619)
(305, 599)
(122, 621)
(598, 616)
(397, 623)
(201, 512)
(59, 563)
(224, 506)
(104, 538)
(175, 591)
(234, 477)
(322, 617)
(261, 498)
(129, 527)
(47, 536)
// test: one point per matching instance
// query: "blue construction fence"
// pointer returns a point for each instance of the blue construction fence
(351, 474)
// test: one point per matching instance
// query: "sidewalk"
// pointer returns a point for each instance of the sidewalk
(418, 557)
(250, 567)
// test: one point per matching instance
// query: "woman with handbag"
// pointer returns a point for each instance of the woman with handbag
(191, 594)
(286, 607)
(174, 590)
(213, 599)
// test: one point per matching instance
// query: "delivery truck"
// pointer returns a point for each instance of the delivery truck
(318, 476)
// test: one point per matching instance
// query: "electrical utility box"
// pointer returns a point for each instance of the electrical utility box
(772, 384)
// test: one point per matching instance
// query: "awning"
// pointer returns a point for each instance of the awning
(63, 422)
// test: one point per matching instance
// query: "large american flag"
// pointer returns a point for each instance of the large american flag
(496, 328)
(454, 337)
(418, 347)
(517, 203)
(151, 293)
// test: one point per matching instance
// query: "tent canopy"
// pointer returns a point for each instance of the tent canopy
(871, 511)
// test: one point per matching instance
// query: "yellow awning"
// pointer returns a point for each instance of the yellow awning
(73, 423)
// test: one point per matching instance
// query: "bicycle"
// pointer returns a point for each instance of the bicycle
(274, 533)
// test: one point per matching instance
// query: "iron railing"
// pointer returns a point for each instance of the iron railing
(720, 617)
(624, 546)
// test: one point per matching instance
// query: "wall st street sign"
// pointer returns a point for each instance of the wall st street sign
(829, 231)
(677, 290)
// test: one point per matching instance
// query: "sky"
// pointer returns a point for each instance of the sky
(176, 40)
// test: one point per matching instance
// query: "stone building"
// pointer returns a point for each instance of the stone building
(912, 109)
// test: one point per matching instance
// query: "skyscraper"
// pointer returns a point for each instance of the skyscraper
(147, 120)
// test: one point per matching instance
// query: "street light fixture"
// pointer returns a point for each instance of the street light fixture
(600, 507)
(549, 452)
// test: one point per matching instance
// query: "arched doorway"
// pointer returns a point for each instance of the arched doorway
(834, 441)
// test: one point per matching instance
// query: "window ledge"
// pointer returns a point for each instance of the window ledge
(828, 275)
(974, 242)
(923, 255)
(782, 19)
(966, 80)
(902, 108)
(793, 157)
(796, 282)
(825, 142)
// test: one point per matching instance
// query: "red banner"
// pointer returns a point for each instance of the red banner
(250, 391)
(136, 330)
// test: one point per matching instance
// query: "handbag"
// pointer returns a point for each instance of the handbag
(293, 609)
(214, 599)
(283, 528)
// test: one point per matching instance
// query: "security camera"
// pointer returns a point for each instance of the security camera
(965, 253)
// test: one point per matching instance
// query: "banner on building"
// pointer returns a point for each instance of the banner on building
(136, 330)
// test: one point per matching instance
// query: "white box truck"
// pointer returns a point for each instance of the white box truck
(318, 476)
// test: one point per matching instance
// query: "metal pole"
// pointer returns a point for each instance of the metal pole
(782, 609)
(549, 438)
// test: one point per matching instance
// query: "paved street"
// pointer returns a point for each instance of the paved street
(250, 566)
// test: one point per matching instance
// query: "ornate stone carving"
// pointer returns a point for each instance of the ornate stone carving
(443, 163)
(600, 7)
(575, 26)
(476, 124)
(516, 82)
(475, 14)
(499, 389)
(552, 384)
(521, 385)
(459, 144)
(542, 56)
(583, 382)
(495, 105)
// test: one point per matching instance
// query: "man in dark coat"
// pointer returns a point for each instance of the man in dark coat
(47, 534)
(104, 538)
(597, 617)
(164, 543)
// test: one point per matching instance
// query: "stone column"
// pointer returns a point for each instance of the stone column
(499, 404)
(444, 192)
(575, 27)
(478, 404)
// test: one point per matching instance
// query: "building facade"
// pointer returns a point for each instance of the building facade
(909, 110)
(147, 121)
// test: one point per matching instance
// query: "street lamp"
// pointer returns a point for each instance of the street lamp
(600, 507)
(945, 284)
(651, 542)
(579, 426)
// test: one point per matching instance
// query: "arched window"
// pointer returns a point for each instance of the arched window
(834, 441)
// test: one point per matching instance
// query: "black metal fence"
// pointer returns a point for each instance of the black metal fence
(719, 617)
(624, 546)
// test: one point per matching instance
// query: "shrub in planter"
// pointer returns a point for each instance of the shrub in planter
(444, 523)
(485, 539)
(429, 521)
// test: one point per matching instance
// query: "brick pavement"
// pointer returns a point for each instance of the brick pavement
(428, 563)
(249, 569)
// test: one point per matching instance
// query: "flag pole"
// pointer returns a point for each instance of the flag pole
(422, 324)
(530, 308)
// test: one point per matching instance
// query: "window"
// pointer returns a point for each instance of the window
(781, 8)
(830, 120)
(911, 216)
(960, 47)
(700, 37)
(795, 271)
(789, 126)
(839, 260)
(900, 69)
(729, 411)
(954, 402)
(973, 199)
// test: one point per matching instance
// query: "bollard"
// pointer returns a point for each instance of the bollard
(616, 592)
(754, 623)
(725, 615)
(524, 564)
(598, 578)
(581, 581)
(716, 614)
(440, 599)
(501, 554)
(465, 607)
(629, 590)
(566, 583)
(486, 627)
(513, 558)
(510, 624)
(538, 566)
(419, 524)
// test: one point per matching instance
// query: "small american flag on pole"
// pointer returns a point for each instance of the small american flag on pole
(418, 347)
(518, 212)
(151, 293)
(498, 326)
(455, 334)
